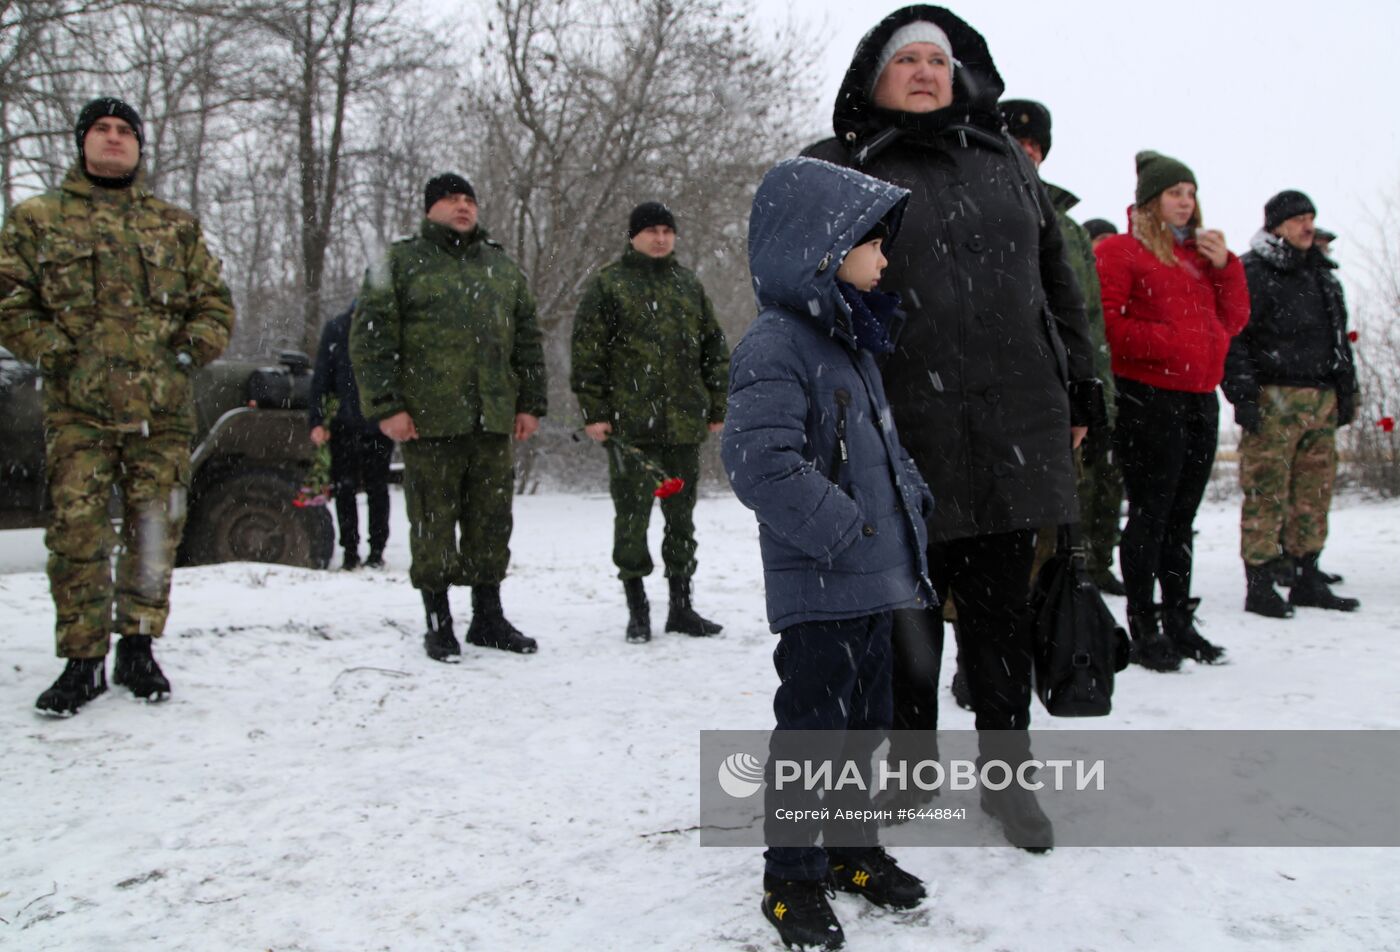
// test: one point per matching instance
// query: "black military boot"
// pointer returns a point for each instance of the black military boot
(1283, 569)
(136, 668)
(685, 619)
(82, 680)
(962, 692)
(440, 643)
(1022, 820)
(489, 628)
(1179, 624)
(873, 874)
(1152, 649)
(799, 910)
(1260, 597)
(1310, 589)
(638, 611)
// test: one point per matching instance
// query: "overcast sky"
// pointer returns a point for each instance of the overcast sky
(1254, 95)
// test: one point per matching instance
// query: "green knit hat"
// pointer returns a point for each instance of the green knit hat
(1157, 173)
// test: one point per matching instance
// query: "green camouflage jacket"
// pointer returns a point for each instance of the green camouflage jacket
(445, 329)
(103, 288)
(1080, 251)
(648, 355)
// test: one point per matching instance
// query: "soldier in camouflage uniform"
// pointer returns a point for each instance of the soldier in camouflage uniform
(1292, 380)
(447, 354)
(651, 371)
(113, 294)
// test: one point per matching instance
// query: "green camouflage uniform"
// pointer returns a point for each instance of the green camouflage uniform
(102, 289)
(650, 359)
(1287, 471)
(1100, 484)
(445, 329)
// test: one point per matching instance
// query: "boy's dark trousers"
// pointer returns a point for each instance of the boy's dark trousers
(835, 678)
(361, 458)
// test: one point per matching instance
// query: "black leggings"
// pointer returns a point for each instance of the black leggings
(1165, 443)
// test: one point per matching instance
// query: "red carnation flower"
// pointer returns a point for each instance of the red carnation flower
(1387, 424)
(1352, 336)
(668, 487)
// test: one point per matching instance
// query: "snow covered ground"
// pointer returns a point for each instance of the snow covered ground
(316, 783)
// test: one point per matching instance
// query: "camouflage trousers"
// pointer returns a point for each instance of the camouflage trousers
(462, 482)
(1100, 498)
(631, 485)
(1286, 471)
(151, 473)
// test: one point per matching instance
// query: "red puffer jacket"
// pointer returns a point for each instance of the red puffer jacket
(1170, 327)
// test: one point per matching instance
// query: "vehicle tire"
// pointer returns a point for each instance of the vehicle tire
(249, 517)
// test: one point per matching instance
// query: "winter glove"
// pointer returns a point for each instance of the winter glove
(1086, 406)
(1247, 416)
(1346, 408)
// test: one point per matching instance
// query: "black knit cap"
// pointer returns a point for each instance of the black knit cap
(1156, 173)
(1098, 227)
(1027, 119)
(1285, 205)
(448, 183)
(648, 214)
(107, 106)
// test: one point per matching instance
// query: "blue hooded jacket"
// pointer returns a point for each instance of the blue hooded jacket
(809, 440)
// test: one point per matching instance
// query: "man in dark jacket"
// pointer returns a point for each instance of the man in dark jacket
(983, 375)
(1292, 380)
(650, 368)
(359, 452)
(1100, 484)
(447, 354)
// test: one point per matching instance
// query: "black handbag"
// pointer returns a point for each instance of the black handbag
(1077, 644)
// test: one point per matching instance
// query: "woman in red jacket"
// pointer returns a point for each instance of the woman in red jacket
(1173, 296)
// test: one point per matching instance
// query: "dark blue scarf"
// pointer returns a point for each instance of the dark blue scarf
(871, 314)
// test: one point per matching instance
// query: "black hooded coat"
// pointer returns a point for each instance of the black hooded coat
(996, 342)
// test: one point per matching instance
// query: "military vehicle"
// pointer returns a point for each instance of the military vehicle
(252, 454)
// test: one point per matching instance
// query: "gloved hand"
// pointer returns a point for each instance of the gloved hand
(1346, 408)
(1248, 417)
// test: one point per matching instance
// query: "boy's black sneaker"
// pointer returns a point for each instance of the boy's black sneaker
(82, 680)
(799, 911)
(873, 874)
(136, 669)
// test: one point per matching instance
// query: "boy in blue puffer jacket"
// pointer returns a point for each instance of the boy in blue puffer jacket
(810, 446)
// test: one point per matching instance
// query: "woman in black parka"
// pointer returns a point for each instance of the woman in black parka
(993, 366)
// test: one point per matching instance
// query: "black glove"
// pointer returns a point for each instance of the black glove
(1346, 408)
(1086, 404)
(1247, 416)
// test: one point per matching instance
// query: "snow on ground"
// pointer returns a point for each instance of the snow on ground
(316, 783)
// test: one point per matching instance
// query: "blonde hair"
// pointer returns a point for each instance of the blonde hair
(1155, 234)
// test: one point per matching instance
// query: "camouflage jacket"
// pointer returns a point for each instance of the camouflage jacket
(648, 355)
(103, 288)
(1079, 249)
(445, 328)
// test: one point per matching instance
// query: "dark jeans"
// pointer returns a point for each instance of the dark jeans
(360, 458)
(1165, 443)
(835, 678)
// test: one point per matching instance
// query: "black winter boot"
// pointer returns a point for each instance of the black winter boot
(351, 561)
(1286, 569)
(375, 560)
(1310, 589)
(489, 628)
(1260, 597)
(685, 619)
(440, 642)
(1152, 649)
(962, 692)
(799, 911)
(136, 668)
(1024, 823)
(873, 874)
(82, 680)
(638, 611)
(1179, 624)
